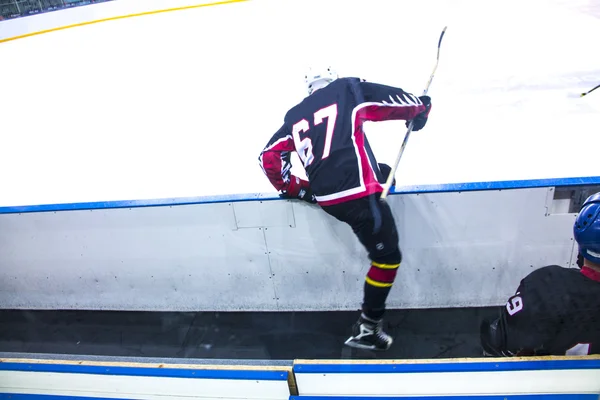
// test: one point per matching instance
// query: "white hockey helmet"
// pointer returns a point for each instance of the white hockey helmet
(319, 78)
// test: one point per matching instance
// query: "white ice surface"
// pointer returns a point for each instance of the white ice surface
(181, 103)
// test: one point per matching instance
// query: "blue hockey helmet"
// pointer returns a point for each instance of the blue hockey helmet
(587, 228)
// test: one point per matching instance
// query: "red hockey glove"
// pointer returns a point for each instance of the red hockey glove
(420, 120)
(299, 189)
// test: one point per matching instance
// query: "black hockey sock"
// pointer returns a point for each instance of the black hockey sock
(374, 301)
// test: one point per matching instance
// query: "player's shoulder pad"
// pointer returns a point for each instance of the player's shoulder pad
(292, 110)
(549, 273)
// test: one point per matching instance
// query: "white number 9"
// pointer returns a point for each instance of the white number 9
(514, 305)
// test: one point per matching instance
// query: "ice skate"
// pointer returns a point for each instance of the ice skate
(369, 335)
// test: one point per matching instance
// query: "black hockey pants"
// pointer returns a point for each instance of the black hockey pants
(373, 223)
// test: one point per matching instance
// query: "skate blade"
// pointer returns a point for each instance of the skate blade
(356, 345)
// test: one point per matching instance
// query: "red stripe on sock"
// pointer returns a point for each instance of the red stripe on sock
(382, 275)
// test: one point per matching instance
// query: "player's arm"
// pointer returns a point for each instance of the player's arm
(275, 161)
(383, 103)
(524, 328)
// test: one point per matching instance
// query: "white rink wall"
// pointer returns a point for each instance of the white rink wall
(34, 379)
(553, 377)
(461, 249)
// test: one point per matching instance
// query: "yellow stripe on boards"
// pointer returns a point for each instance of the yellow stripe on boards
(132, 364)
(385, 266)
(377, 284)
(218, 3)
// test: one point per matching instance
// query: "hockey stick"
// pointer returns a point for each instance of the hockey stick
(589, 91)
(390, 178)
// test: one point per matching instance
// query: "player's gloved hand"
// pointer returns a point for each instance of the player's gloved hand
(299, 189)
(307, 195)
(304, 194)
(491, 339)
(420, 120)
(385, 172)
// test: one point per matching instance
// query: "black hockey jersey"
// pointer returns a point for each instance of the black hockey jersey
(555, 311)
(326, 131)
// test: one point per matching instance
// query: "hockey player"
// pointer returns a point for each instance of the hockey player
(326, 131)
(555, 310)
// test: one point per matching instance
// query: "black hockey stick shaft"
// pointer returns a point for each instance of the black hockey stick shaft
(390, 179)
(590, 91)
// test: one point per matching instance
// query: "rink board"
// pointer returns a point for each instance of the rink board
(556, 378)
(460, 249)
(26, 379)
(449, 377)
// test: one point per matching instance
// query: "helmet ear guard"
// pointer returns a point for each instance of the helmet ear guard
(580, 261)
(586, 229)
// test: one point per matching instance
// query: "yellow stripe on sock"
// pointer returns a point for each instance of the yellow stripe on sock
(377, 284)
(385, 266)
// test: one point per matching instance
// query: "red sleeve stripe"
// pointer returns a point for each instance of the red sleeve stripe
(278, 146)
(273, 164)
(384, 111)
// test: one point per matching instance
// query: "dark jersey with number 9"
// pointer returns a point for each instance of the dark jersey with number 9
(326, 131)
(555, 311)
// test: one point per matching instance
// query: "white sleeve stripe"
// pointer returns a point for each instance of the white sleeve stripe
(383, 103)
(411, 99)
(283, 139)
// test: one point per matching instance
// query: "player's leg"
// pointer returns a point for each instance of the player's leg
(374, 225)
(379, 235)
(376, 229)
